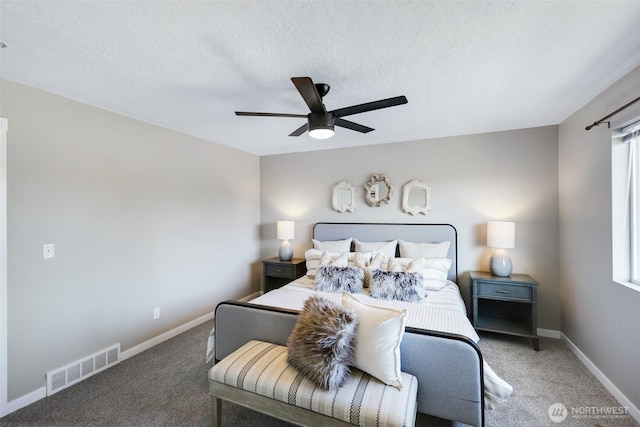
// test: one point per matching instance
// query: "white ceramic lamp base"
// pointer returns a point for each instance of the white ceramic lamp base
(286, 251)
(500, 263)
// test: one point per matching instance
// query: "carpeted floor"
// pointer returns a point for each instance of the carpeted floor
(167, 386)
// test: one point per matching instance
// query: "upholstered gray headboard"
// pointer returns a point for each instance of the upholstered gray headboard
(382, 232)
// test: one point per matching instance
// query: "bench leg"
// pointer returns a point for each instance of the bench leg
(216, 411)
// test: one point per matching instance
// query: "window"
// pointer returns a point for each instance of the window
(632, 137)
(626, 205)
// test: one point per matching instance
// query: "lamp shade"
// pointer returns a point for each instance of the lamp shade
(501, 234)
(286, 230)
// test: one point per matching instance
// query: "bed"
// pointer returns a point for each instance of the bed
(439, 346)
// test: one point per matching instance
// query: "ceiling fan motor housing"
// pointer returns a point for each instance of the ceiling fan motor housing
(321, 120)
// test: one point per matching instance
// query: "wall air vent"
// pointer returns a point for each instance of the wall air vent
(61, 378)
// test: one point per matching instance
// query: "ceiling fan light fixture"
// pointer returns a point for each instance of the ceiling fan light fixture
(321, 125)
(321, 133)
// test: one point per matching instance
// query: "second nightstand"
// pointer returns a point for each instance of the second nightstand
(506, 305)
(278, 273)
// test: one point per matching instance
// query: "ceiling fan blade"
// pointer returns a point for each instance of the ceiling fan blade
(302, 129)
(309, 93)
(368, 106)
(353, 126)
(249, 113)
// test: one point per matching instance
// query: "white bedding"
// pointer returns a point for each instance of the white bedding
(442, 310)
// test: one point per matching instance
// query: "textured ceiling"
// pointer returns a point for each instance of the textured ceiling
(465, 66)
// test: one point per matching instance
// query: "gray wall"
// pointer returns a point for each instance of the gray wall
(599, 315)
(506, 175)
(141, 217)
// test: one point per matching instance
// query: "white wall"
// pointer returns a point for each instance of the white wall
(600, 316)
(505, 175)
(141, 217)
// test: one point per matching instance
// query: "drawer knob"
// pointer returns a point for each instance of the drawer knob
(278, 270)
(502, 291)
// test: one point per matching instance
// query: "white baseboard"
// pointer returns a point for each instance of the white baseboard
(163, 337)
(250, 297)
(25, 400)
(41, 393)
(549, 333)
(615, 392)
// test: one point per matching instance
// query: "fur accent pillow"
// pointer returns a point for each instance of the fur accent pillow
(334, 279)
(397, 285)
(434, 270)
(322, 343)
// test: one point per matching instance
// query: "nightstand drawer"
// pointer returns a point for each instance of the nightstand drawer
(495, 290)
(287, 271)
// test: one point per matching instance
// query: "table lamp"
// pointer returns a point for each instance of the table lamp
(285, 231)
(500, 235)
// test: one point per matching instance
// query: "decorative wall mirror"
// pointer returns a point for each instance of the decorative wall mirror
(378, 190)
(416, 197)
(344, 197)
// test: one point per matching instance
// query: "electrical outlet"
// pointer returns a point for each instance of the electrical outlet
(156, 313)
(48, 251)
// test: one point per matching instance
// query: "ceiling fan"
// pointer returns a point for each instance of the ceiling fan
(320, 122)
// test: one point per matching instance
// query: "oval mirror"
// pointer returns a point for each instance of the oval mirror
(416, 197)
(344, 197)
(378, 190)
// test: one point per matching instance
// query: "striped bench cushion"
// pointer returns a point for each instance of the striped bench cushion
(260, 367)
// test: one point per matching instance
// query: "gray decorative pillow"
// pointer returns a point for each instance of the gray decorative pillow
(396, 285)
(323, 341)
(337, 279)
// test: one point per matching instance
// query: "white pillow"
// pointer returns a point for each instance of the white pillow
(341, 260)
(313, 257)
(434, 270)
(424, 250)
(410, 265)
(380, 332)
(333, 245)
(387, 248)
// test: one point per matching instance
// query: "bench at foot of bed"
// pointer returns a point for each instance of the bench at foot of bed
(258, 377)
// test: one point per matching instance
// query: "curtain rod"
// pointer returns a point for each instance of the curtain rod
(603, 120)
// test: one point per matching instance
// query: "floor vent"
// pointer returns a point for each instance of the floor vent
(61, 378)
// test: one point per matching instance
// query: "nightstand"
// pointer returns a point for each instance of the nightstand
(278, 273)
(507, 305)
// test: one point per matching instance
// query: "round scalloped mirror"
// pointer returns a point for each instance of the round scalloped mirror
(378, 190)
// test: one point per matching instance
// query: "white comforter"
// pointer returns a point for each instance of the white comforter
(442, 310)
